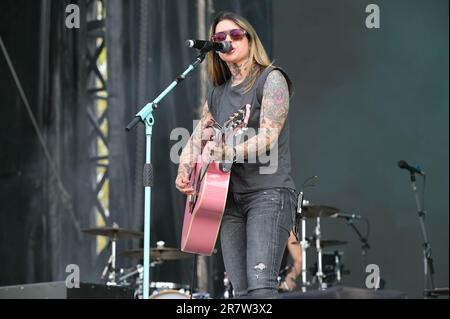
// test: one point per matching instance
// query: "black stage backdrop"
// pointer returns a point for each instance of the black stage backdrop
(40, 217)
(40, 226)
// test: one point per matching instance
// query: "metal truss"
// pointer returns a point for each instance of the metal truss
(97, 108)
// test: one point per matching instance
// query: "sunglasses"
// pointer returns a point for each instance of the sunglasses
(235, 34)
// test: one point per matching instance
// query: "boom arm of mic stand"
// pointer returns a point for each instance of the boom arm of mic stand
(147, 109)
(365, 244)
(146, 115)
(363, 239)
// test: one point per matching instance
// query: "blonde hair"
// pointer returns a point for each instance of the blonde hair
(258, 60)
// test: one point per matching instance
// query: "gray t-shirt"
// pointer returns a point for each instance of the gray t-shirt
(270, 171)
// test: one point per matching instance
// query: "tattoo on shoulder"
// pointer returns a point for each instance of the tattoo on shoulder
(275, 103)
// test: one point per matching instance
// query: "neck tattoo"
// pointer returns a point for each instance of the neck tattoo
(238, 71)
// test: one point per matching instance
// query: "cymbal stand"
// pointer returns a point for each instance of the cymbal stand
(319, 274)
(110, 268)
(304, 244)
(139, 292)
(337, 261)
(112, 272)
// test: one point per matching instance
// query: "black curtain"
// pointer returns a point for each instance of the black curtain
(44, 205)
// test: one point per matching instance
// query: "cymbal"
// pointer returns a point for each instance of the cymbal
(318, 211)
(113, 232)
(328, 243)
(324, 243)
(158, 254)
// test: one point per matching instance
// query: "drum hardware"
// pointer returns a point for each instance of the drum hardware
(319, 211)
(114, 233)
(303, 214)
(301, 202)
(124, 277)
(159, 285)
(333, 268)
(170, 290)
(325, 242)
(178, 291)
(170, 294)
(319, 274)
(305, 245)
(365, 246)
(135, 276)
(337, 263)
(228, 293)
(308, 210)
(158, 254)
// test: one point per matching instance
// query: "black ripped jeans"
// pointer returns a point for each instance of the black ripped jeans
(254, 233)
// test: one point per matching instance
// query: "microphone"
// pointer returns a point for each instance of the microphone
(206, 46)
(347, 216)
(403, 165)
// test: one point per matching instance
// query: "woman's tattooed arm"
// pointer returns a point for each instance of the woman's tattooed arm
(274, 111)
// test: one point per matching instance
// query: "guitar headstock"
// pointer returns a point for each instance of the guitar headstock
(239, 119)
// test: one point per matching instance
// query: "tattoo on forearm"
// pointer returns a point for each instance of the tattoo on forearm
(194, 146)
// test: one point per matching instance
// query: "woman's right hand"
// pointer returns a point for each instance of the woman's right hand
(183, 183)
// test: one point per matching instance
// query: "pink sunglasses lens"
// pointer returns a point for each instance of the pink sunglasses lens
(237, 34)
(219, 37)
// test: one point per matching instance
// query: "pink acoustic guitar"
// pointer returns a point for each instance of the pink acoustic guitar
(204, 210)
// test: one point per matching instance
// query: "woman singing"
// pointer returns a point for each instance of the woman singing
(261, 201)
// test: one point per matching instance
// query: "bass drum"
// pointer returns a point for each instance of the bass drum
(170, 294)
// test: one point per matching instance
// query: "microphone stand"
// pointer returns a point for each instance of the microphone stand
(146, 115)
(364, 242)
(427, 257)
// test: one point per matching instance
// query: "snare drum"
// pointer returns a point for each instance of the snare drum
(170, 294)
(169, 290)
(167, 286)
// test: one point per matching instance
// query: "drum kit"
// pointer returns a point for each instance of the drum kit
(133, 277)
(328, 269)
